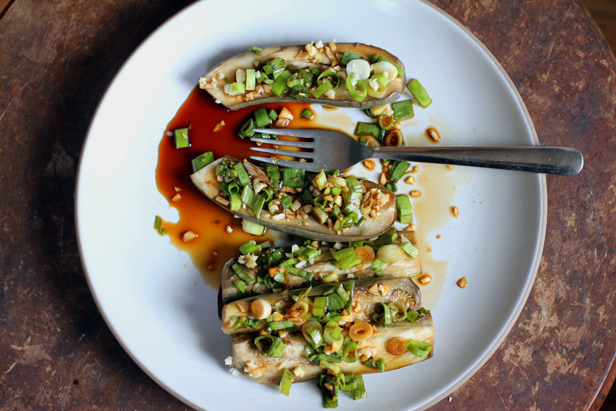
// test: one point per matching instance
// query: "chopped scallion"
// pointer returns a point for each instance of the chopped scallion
(307, 114)
(262, 119)
(293, 177)
(240, 285)
(419, 93)
(397, 170)
(158, 226)
(418, 348)
(181, 138)
(235, 203)
(242, 175)
(391, 187)
(351, 82)
(369, 129)
(252, 228)
(286, 381)
(249, 247)
(405, 210)
(348, 56)
(250, 79)
(403, 110)
(242, 274)
(322, 88)
(280, 84)
(346, 258)
(256, 50)
(202, 160)
(410, 249)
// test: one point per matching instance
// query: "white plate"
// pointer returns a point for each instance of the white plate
(152, 297)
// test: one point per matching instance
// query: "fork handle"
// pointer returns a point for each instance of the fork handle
(550, 160)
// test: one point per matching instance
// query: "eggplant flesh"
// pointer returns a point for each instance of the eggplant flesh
(246, 356)
(367, 294)
(206, 181)
(321, 266)
(299, 57)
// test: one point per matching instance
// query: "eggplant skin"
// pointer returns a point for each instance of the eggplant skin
(205, 180)
(296, 57)
(246, 357)
(407, 267)
(403, 290)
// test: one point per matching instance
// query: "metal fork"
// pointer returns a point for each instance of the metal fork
(335, 149)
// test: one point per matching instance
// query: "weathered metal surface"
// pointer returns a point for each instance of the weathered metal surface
(56, 352)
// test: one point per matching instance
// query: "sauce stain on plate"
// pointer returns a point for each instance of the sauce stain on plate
(211, 236)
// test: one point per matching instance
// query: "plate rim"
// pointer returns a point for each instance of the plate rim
(544, 218)
(505, 330)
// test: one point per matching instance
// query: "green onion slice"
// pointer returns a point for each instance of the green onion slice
(397, 170)
(181, 138)
(322, 88)
(250, 79)
(158, 226)
(255, 49)
(246, 129)
(347, 56)
(293, 177)
(419, 93)
(403, 109)
(240, 285)
(382, 315)
(351, 87)
(418, 348)
(386, 122)
(242, 274)
(328, 74)
(398, 311)
(249, 247)
(307, 114)
(405, 210)
(262, 118)
(241, 173)
(252, 228)
(235, 202)
(410, 249)
(286, 381)
(202, 160)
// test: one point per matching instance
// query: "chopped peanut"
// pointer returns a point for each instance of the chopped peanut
(455, 211)
(189, 236)
(369, 164)
(219, 125)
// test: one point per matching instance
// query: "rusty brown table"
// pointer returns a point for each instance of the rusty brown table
(56, 352)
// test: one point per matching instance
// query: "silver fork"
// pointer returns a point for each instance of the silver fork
(335, 149)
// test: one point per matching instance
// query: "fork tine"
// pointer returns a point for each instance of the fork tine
(286, 163)
(297, 132)
(299, 154)
(301, 144)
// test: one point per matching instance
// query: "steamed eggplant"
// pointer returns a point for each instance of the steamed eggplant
(268, 370)
(328, 208)
(335, 74)
(317, 264)
(296, 306)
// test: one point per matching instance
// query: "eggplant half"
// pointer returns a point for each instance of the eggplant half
(375, 206)
(295, 73)
(255, 366)
(322, 267)
(368, 297)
